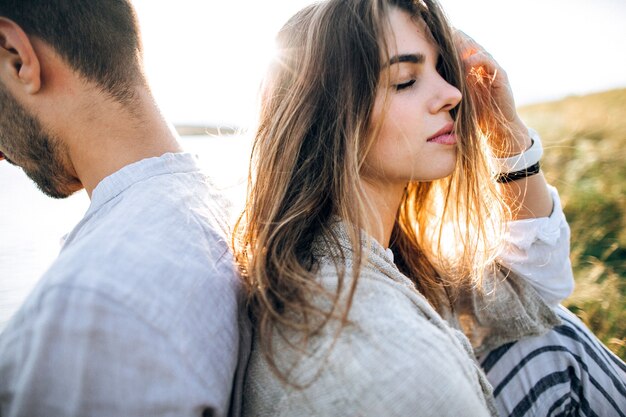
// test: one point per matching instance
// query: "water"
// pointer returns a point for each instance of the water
(32, 225)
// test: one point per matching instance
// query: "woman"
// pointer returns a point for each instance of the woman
(373, 231)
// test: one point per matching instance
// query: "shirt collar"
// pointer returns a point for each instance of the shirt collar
(116, 183)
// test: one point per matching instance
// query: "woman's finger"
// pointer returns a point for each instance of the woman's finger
(466, 45)
(482, 59)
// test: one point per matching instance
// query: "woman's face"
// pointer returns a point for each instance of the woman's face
(416, 139)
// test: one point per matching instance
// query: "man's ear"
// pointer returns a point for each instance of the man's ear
(19, 63)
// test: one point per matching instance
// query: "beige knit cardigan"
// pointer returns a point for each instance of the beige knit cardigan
(397, 356)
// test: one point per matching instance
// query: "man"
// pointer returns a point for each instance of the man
(138, 315)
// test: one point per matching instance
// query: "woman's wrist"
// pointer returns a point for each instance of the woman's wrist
(512, 141)
(522, 165)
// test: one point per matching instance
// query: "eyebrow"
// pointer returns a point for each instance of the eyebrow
(410, 58)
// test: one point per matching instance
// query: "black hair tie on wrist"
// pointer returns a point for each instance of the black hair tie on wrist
(518, 175)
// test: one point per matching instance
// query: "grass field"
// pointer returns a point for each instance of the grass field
(585, 158)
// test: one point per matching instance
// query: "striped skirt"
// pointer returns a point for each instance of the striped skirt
(566, 372)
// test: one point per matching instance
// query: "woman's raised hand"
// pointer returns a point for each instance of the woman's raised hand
(491, 91)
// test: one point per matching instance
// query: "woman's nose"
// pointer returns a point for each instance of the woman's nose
(446, 97)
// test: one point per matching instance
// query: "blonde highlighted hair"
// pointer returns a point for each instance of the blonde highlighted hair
(314, 132)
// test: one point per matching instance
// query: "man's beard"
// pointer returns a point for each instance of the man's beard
(26, 144)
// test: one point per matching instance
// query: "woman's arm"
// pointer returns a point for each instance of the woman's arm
(538, 250)
(527, 197)
(537, 241)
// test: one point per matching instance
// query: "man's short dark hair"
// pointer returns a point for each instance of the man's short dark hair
(98, 38)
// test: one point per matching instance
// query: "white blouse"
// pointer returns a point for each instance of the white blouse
(538, 250)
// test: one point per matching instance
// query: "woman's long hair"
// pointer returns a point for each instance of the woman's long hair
(314, 133)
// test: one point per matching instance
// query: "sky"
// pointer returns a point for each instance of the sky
(205, 59)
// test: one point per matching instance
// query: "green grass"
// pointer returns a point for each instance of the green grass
(585, 158)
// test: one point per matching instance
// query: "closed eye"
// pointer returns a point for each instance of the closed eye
(404, 85)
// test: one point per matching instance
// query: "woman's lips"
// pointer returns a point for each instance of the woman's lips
(445, 135)
(444, 139)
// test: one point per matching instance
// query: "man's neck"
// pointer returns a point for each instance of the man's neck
(105, 136)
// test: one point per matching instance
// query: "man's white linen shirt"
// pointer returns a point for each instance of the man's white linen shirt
(138, 315)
